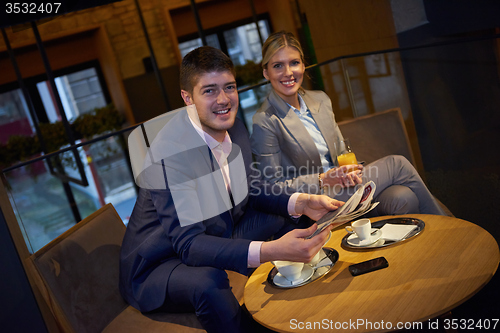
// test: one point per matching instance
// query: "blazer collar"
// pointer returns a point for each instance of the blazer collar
(282, 108)
(323, 120)
(294, 125)
(192, 136)
(279, 104)
(189, 138)
(312, 104)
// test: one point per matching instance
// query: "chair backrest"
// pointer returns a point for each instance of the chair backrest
(377, 135)
(141, 138)
(78, 272)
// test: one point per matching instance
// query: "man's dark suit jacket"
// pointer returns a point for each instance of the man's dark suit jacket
(155, 241)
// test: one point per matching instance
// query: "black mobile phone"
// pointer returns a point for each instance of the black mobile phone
(368, 266)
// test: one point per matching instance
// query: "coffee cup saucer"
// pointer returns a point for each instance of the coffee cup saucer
(306, 274)
(354, 240)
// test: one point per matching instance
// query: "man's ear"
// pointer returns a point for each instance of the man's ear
(264, 72)
(188, 99)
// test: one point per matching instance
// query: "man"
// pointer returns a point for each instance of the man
(201, 209)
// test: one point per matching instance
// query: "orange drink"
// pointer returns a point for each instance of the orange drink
(345, 156)
(348, 158)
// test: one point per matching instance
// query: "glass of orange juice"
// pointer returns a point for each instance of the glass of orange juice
(345, 155)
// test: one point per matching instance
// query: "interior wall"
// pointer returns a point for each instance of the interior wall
(121, 22)
(361, 85)
(455, 88)
(344, 28)
(145, 95)
(349, 27)
(455, 97)
(283, 15)
(216, 13)
(111, 72)
(213, 14)
(60, 52)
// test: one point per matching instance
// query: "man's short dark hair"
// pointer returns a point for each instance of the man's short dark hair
(204, 59)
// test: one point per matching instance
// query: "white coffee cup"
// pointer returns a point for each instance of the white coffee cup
(319, 255)
(362, 228)
(316, 258)
(291, 270)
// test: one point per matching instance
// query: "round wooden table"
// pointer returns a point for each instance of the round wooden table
(428, 275)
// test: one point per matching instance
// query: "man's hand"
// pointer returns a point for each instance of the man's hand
(315, 206)
(345, 176)
(293, 246)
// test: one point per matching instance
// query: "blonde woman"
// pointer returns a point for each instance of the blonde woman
(294, 136)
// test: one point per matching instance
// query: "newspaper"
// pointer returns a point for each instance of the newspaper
(358, 204)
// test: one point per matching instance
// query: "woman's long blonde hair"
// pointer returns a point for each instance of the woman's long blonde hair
(275, 42)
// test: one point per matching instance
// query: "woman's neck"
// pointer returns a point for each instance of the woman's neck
(292, 101)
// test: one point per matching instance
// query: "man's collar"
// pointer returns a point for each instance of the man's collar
(209, 140)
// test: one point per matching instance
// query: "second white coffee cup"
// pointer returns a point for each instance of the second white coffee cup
(362, 228)
(291, 270)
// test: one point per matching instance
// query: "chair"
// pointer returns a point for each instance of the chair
(377, 135)
(380, 134)
(78, 272)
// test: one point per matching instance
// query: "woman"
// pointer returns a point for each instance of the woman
(295, 134)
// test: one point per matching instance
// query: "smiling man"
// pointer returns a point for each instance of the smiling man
(216, 98)
(202, 209)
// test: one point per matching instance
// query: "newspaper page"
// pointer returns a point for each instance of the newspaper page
(358, 204)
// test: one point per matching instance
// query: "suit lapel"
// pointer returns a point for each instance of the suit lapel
(322, 119)
(219, 178)
(192, 137)
(296, 129)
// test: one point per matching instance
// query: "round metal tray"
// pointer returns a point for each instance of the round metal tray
(382, 242)
(332, 254)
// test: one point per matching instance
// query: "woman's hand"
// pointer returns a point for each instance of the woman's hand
(345, 176)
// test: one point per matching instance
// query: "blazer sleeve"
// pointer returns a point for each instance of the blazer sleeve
(196, 214)
(194, 244)
(270, 159)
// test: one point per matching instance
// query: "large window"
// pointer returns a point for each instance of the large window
(14, 115)
(42, 202)
(80, 92)
(241, 43)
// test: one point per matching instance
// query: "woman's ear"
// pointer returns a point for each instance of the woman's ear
(186, 97)
(264, 72)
